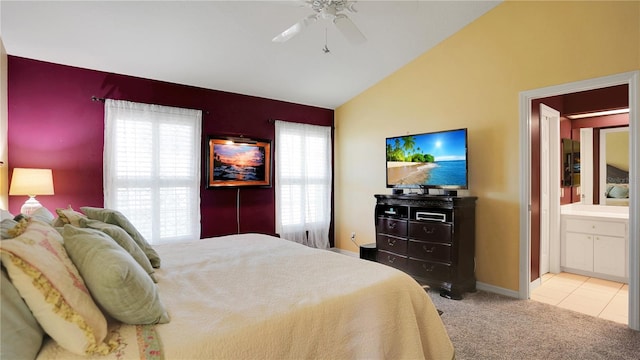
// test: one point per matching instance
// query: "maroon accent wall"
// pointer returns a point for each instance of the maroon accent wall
(613, 97)
(54, 124)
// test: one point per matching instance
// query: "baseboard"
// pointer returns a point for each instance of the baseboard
(345, 252)
(496, 290)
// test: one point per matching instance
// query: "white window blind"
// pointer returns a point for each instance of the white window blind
(303, 183)
(152, 168)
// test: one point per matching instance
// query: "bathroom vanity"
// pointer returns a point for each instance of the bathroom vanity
(595, 241)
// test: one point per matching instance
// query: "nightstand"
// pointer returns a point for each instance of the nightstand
(368, 251)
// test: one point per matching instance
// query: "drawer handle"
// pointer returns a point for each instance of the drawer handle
(430, 269)
(391, 225)
(430, 250)
(391, 242)
(428, 230)
(391, 259)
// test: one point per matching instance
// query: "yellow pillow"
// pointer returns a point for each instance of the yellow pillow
(50, 284)
(70, 216)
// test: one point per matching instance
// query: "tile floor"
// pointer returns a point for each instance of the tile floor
(596, 297)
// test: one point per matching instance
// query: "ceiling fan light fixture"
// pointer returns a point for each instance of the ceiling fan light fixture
(328, 10)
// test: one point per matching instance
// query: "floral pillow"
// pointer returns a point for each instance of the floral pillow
(50, 284)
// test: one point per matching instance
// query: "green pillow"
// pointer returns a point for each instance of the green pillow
(116, 281)
(116, 218)
(5, 226)
(123, 239)
(21, 335)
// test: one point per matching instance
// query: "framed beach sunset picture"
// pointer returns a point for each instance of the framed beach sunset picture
(238, 161)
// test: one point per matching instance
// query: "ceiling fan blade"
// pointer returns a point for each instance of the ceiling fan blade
(295, 29)
(349, 29)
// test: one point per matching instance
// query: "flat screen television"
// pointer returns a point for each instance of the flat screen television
(434, 160)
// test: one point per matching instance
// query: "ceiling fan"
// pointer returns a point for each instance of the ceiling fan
(329, 10)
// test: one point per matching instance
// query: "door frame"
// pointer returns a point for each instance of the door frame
(632, 79)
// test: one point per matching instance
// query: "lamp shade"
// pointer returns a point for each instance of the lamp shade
(31, 182)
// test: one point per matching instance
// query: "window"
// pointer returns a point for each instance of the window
(303, 183)
(152, 168)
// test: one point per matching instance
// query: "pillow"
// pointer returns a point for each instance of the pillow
(124, 240)
(609, 187)
(50, 284)
(116, 218)
(619, 192)
(21, 335)
(43, 214)
(117, 282)
(58, 222)
(5, 226)
(4, 214)
(70, 216)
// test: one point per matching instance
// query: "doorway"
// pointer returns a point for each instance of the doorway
(632, 79)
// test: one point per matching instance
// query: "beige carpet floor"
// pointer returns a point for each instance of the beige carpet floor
(484, 325)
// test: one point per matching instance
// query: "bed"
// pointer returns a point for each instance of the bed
(617, 189)
(254, 296)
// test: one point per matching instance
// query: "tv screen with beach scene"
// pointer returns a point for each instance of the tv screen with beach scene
(428, 160)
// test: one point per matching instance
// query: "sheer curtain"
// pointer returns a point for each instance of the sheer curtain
(303, 183)
(152, 168)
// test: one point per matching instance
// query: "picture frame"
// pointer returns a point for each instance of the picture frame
(238, 162)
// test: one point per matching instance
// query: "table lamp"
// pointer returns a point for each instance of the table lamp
(31, 182)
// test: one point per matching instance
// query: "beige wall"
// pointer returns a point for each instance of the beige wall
(618, 149)
(4, 167)
(473, 79)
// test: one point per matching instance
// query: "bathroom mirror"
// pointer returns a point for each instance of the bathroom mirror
(570, 162)
(614, 166)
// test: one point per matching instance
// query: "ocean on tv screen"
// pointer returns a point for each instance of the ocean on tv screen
(442, 173)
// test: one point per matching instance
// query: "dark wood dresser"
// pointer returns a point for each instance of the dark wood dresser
(430, 237)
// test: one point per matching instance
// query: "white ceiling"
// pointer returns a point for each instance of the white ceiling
(226, 45)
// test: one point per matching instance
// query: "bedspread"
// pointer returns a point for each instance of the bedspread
(253, 296)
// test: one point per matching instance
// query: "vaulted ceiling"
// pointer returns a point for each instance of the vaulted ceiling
(226, 45)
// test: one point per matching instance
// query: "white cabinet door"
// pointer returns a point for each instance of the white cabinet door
(609, 255)
(579, 251)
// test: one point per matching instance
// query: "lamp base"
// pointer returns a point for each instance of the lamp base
(30, 206)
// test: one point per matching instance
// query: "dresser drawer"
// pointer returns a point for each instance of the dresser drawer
(429, 251)
(432, 231)
(391, 243)
(429, 270)
(397, 261)
(596, 227)
(392, 226)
